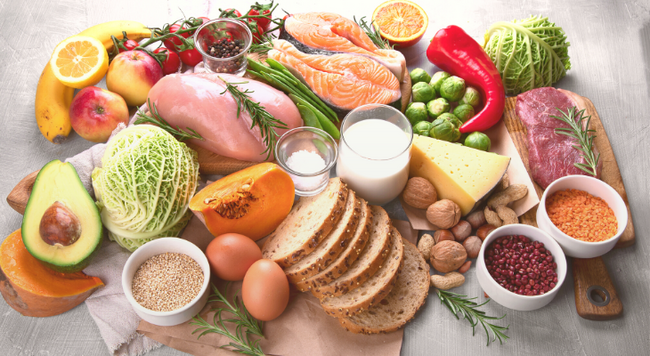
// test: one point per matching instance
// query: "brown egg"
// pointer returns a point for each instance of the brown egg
(265, 290)
(230, 256)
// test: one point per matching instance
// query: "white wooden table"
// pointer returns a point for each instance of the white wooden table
(610, 56)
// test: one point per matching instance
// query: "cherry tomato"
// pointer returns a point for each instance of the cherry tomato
(262, 21)
(171, 43)
(235, 12)
(130, 45)
(171, 63)
(257, 36)
(205, 19)
(191, 57)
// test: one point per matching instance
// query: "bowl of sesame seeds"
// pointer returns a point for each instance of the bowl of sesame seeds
(585, 215)
(166, 281)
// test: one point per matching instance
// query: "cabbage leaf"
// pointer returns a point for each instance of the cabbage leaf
(529, 54)
(144, 185)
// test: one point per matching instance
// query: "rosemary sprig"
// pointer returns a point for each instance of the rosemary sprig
(371, 31)
(155, 118)
(583, 134)
(246, 326)
(458, 303)
(260, 117)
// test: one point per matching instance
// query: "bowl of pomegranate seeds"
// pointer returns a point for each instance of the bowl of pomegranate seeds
(585, 215)
(521, 267)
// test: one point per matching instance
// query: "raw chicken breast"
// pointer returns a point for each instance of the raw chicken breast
(197, 101)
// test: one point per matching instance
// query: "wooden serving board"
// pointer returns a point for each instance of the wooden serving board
(588, 273)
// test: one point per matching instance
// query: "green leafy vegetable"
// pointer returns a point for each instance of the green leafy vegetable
(467, 308)
(529, 54)
(246, 325)
(583, 134)
(144, 185)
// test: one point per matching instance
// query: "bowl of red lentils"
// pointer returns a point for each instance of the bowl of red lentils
(585, 215)
(166, 281)
(521, 267)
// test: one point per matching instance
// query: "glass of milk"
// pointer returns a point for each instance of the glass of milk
(374, 152)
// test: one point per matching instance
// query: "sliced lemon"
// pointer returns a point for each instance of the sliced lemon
(401, 22)
(79, 61)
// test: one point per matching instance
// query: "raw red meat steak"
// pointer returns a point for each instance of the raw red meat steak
(550, 155)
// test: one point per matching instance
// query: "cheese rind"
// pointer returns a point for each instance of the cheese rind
(462, 174)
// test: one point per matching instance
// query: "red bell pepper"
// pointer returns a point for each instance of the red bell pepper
(455, 52)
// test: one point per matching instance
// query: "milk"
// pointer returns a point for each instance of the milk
(374, 159)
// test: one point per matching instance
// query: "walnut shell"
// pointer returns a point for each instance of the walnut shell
(447, 256)
(419, 193)
(444, 214)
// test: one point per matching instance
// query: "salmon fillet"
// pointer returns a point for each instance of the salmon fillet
(343, 81)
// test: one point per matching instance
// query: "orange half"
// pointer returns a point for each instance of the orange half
(401, 22)
(79, 61)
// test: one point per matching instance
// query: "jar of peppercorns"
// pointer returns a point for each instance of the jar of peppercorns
(224, 44)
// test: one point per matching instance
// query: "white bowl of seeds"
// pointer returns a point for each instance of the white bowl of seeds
(166, 281)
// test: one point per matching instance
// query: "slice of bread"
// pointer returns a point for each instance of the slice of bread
(355, 246)
(308, 222)
(374, 289)
(332, 246)
(399, 307)
(370, 260)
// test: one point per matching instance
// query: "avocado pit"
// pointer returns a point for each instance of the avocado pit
(59, 226)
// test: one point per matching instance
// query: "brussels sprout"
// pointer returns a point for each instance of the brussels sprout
(452, 88)
(437, 79)
(442, 129)
(478, 140)
(471, 97)
(423, 92)
(464, 112)
(451, 118)
(422, 128)
(416, 112)
(463, 137)
(436, 107)
(419, 75)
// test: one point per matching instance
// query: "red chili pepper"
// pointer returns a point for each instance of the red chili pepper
(455, 52)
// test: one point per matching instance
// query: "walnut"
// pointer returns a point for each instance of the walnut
(444, 214)
(419, 193)
(447, 256)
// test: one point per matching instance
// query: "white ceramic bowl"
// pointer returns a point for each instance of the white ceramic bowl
(596, 187)
(156, 247)
(507, 298)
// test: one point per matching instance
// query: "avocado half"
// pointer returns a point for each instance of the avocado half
(58, 184)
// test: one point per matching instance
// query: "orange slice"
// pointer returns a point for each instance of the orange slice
(401, 22)
(79, 61)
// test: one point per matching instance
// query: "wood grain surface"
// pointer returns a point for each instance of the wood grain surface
(610, 65)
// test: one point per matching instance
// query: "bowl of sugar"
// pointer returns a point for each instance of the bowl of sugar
(307, 154)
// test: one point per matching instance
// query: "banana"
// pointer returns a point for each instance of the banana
(53, 99)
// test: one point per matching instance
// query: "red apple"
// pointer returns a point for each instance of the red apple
(131, 74)
(96, 112)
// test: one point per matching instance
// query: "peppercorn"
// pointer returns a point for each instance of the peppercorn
(225, 48)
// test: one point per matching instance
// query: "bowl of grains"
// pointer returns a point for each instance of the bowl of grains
(224, 44)
(521, 267)
(585, 215)
(307, 154)
(166, 281)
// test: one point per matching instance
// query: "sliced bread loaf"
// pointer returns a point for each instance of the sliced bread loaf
(332, 246)
(370, 260)
(399, 307)
(374, 289)
(308, 222)
(354, 247)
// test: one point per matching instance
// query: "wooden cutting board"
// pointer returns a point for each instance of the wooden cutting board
(588, 273)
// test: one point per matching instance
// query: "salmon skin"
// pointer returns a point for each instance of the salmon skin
(326, 33)
(343, 81)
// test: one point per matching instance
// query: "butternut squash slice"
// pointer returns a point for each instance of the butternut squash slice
(251, 202)
(35, 290)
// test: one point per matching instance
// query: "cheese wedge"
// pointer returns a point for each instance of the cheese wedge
(461, 174)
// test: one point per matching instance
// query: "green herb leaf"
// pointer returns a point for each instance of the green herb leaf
(155, 118)
(583, 135)
(468, 309)
(371, 31)
(245, 325)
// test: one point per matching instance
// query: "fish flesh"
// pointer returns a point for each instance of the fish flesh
(328, 33)
(200, 101)
(343, 81)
